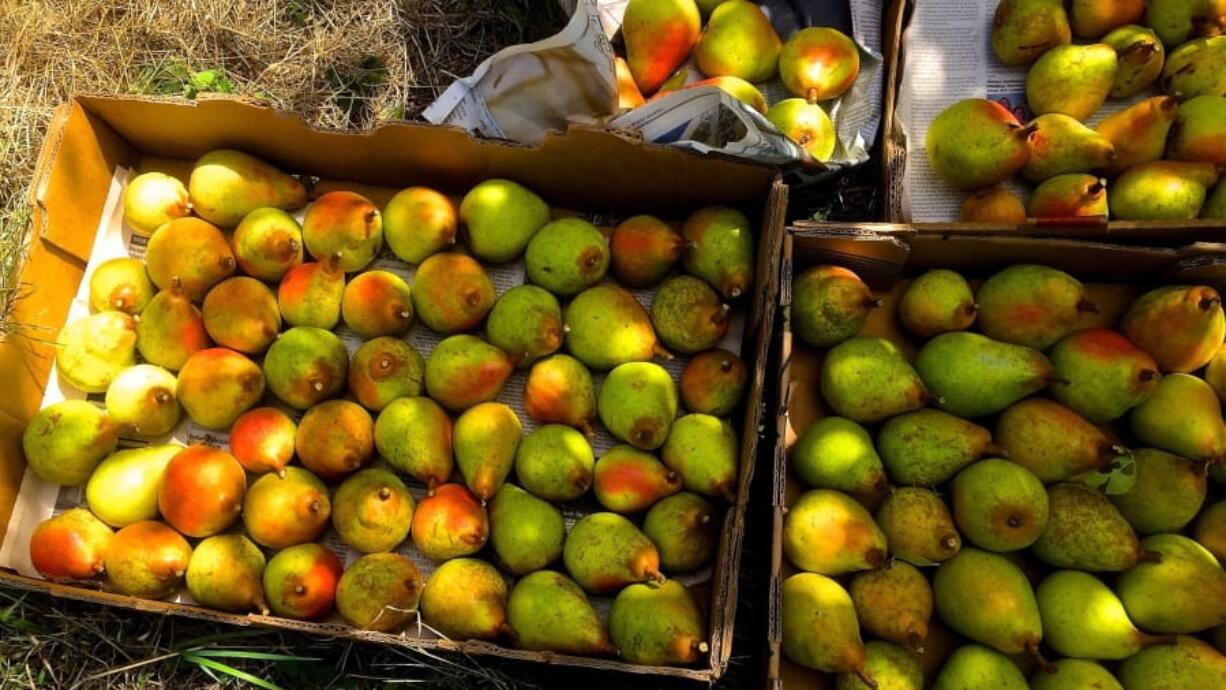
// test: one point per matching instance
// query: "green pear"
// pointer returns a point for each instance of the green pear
(1093, 18)
(704, 451)
(977, 143)
(1140, 55)
(1085, 531)
(837, 453)
(384, 369)
(419, 222)
(1072, 79)
(738, 41)
(688, 315)
(1181, 591)
(637, 403)
(927, 447)
(526, 532)
(936, 302)
(999, 505)
(1189, 663)
(502, 217)
(526, 323)
(567, 256)
(918, 527)
(1052, 441)
(685, 529)
(226, 185)
(466, 598)
(190, 253)
(819, 626)
(171, 330)
(1083, 618)
(66, 440)
(305, 366)
(485, 438)
(267, 243)
(1199, 131)
(894, 603)
(464, 370)
(1031, 305)
(1074, 674)
(147, 559)
(152, 199)
(605, 326)
(867, 379)
(658, 35)
(604, 552)
(549, 612)
(124, 488)
(379, 591)
(141, 400)
(719, 248)
(890, 666)
(1069, 196)
(372, 510)
(974, 667)
(1061, 145)
(120, 284)
(1102, 374)
(226, 572)
(555, 462)
(1181, 326)
(1211, 529)
(311, 294)
(658, 625)
(1162, 190)
(1175, 21)
(1168, 493)
(1138, 132)
(94, 349)
(829, 305)
(1184, 416)
(986, 597)
(1190, 69)
(973, 375)
(451, 292)
(807, 124)
(1022, 30)
(414, 435)
(827, 532)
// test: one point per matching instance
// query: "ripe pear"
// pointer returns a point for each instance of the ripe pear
(70, 546)
(736, 87)
(335, 438)
(281, 511)
(1022, 30)
(658, 625)
(866, 379)
(372, 511)
(890, 666)
(300, 581)
(713, 382)
(242, 314)
(829, 305)
(628, 480)
(991, 375)
(659, 35)
(1176, 21)
(986, 597)
(345, 224)
(1189, 663)
(927, 447)
(819, 63)
(484, 439)
(893, 603)
(918, 527)
(217, 385)
(267, 243)
(1211, 530)
(807, 124)
(1190, 69)
(605, 326)
(414, 435)
(526, 532)
(1085, 531)
(451, 292)
(1061, 145)
(555, 462)
(642, 249)
(999, 505)
(1168, 493)
(1181, 326)
(1184, 416)
(124, 487)
(1162, 190)
(146, 559)
(1199, 130)
(567, 256)
(549, 612)
(311, 294)
(449, 522)
(738, 41)
(152, 199)
(605, 552)
(226, 572)
(719, 248)
(1103, 375)
(464, 370)
(1181, 591)
(384, 369)
(66, 440)
(977, 143)
(526, 323)
(1074, 674)
(1072, 79)
(837, 453)
(94, 349)
(120, 284)
(637, 403)
(226, 185)
(380, 591)
(1140, 55)
(171, 330)
(377, 303)
(419, 222)
(828, 532)
(1094, 18)
(190, 253)
(1031, 305)
(559, 389)
(688, 315)
(936, 302)
(975, 667)
(1083, 618)
(1052, 441)
(202, 491)
(502, 217)
(466, 599)
(1069, 196)
(703, 450)
(685, 529)
(992, 205)
(305, 366)
(262, 440)
(819, 626)
(1138, 132)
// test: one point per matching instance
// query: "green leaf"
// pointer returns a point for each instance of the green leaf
(206, 663)
(1119, 480)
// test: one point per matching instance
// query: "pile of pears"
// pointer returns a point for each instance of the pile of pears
(365, 446)
(1040, 465)
(1158, 158)
(733, 44)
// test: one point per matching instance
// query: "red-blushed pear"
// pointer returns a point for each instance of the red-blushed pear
(1061, 145)
(992, 205)
(192, 252)
(335, 438)
(628, 480)
(1180, 326)
(384, 369)
(713, 382)
(807, 124)
(1069, 196)
(628, 94)
(262, 440)
(346, 224)
(448, 523)
(202, 491)
(643, 249)
(310, 294)
(281, 511)
(1103, 375)
(147, 559)
(70, 546)
(559, 389)
(300, 581)
(171, 330)
(464, 370)
(451, 292)
(819, 63)
(217, 385)
(659, 35)
(377, 303)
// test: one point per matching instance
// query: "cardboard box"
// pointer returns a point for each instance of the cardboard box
(590, 170)
(886, 257)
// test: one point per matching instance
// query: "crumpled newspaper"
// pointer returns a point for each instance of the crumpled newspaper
(524, 91)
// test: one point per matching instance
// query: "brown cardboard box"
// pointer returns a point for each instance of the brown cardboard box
(886, 257)
(592, 170)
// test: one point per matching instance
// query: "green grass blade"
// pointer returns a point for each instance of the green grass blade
(205, 662)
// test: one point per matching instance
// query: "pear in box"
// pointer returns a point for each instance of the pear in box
(217, 385)
(226, 572)
(344, 224)
(384, 369)
(451, 292)
(605, 326)
(555, 462)
(628, 480)
(380, 591)
(449, 522)
(526, 323)
(190, 252)
(267, 243)
(202, 491)
(335, 438)
(604, 552)
(372, 511)
(567, 256)
(147, 559)
(226, 185)
(419, 222)
(414, 435)
(713, 382)
(466, 598)
(310, 294)
(70, 546)
(526, 532)
(262, 440)
(242, 314)
(547, 611)
(501, 217)
(66, 440)
(94, 349)
(120, 284)
(305, 366)
(658, 624)
(281, 511)
(141, 400)
(153, 199)
(642, 250)
(300, 581)
(124, 487)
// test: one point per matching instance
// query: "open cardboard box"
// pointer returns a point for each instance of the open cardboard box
(887, 257)
(589, 170)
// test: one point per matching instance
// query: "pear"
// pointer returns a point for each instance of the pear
(999, 505)
(66, 440)
(1215, 373)
(807, 124)
(637, 403)
(526, 532)
(605, 552)
(939, 301)
(485, 438)
(1103, 375)
(1184, 416)
(281, 511)
(1180, 326)
(1211, 530)
(120, 284)
(449, 522)
(70, 546)
(124, 488)
(93, 350)
(559, 390)
(827, 532)
(628, 480)
(642, 249)
(738, 41)
(927, 447)
(1138, 132)
(311, 294)
(384, 369)
(1168, 493)
(466, 599)
(380, 591)
(893, 603)
(567, 256)
(463, 371)
(977, 143)
(1175, 21)
(146, 559)
(866, 379)
(1162, 190)
(152, 199)
(688, 315)
(526, 323)
(555, 462)
(372, 511)
(736, 87)
(1031, 305)
(1061, 145)
(1069, 196)
(719, 248)
(1140, 55)
(658, 35)
(226, 185)
(202, 491)
(829, 305)
(819, 626)
(685, 529)
(1022, 30)
(1183, 590)
(628, 95)
(217, 385)
(305, 366)
(1083, 618)
(549, 612)
(819, 63)
(992, 205)
(713, 382)
(658, 625)
(1093, 18)
(190, 253)
(837, 453)
(502, 217)
(1190, 69)
(1052, 441)
(414, 435)
(986, 597)
(300, 581)
(1215, 205)
(918, 527)
(704, 450)
(346, 224)
(988, 376)
(1189, 663)
(419, 222)
(1199, 130)
(890, 666)
(1072, 79)
(171, 330)
(451, 293)
(1085, 531)
(241, 313)
(226, 572)
(975, 667)
(267, 243)
(377, 303)
(605, 326)
(1074, 674)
